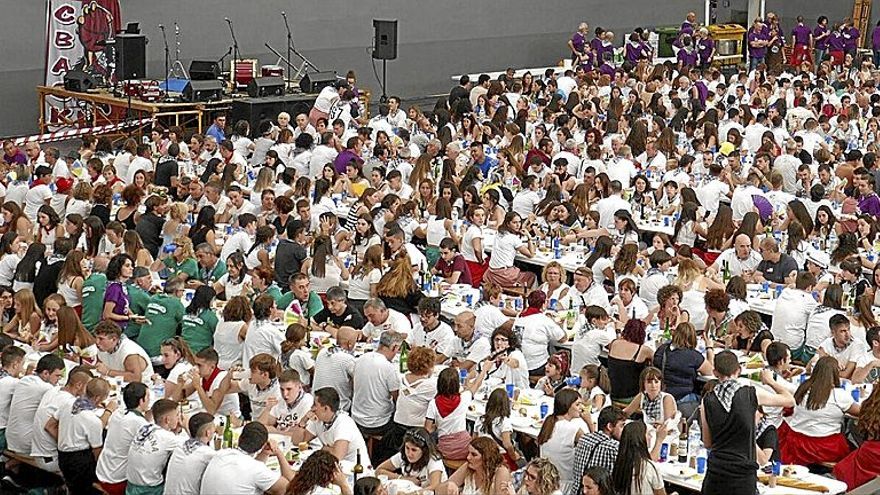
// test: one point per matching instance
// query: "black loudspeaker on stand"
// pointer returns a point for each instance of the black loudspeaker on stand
(316, 81)
(265, 86)
(385, 41)
(131, 56)
(204, 70)
(203, 91)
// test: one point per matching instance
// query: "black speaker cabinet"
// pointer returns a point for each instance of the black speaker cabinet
(316, 81)
(204, 70)
(265, 86)
(131, 56)
(203, 91)
(385, 42)
(78, 81)
(256, 110)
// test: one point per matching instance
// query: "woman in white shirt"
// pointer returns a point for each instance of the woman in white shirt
(325, 270)
(472, 245)
(447, 413)
(813, 433)
(537, 332)
(560, 433)
(439, 227)
(496, 424)
(365, 277)
(510, 362)
(178, 359)
(236, 280)
(687, 228)
(417, 389)
(365, 236)
(635, 471)
(231, 331)
(507, 243)
(417, 461)
(554, 283)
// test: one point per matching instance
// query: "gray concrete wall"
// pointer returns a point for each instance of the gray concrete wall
(436, 38)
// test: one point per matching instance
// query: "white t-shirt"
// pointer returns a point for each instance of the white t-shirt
(259, 397)
(287, 415)
(586, 350)
(467, 247)
(301, 361)
(524, 203)
(651, 480)
(736, 265)
(824, 421)
(234, 472)
(851, 353)
(395, 321)
(488, 318)
(342, 428)
(262, 337)
(227, 344)
(34, 199)
(7, 388)
(80, 431)
(149, 454)
(504, 250)
(412, 400)
(423, 475)
(711, 193)
(186, 467)
(127, 347)
(793, 308)
(121, 429)
(359, 286)
(518, 376)
(138, 163)
(239, 241)
(477, 350)
(334, 367)
(375, 379)
(818, 325)
(453, 422)
(559, 448)
(536, 332)
(56, 399)
(441, 339)
(23, 408)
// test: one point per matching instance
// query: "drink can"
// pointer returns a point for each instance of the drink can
(664, 452)
(469, 299)
(509, 390)
(545, 409)
(701, 465)
(765, 286)
(463, 374)
(666, 221)
(553, 303)
(856, 394)
(777, 468)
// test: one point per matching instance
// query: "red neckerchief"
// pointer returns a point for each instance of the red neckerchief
(447, 403)
(206, 382)
(529, 311)
(37, 182)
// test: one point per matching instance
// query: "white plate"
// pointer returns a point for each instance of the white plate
(402, 486)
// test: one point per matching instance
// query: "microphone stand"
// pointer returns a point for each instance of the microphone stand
(235, 53)
(289, 46)
(167, 56)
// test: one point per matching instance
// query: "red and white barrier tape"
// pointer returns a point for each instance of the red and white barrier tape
(71, 133)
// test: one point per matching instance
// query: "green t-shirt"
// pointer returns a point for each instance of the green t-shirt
(165, 314)
(213, 275)
(273, 291)
(187, 266)
(198, 330)
(315, 304)
(137, 301)
(93, 299)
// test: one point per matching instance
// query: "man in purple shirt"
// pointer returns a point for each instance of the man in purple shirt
(869, 202)
(687, 56)
(851, 36)
(757, 44)
(12, 155)
(705, 48)
(837, 45)
(578, 42)
(820, 38)
(686, 29)
(349, 154)
(802, 39)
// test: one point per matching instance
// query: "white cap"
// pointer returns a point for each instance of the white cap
(819, 258)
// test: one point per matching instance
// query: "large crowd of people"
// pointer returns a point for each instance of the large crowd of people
(539, 286)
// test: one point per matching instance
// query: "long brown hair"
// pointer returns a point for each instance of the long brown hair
(71, 330)
(869, 418)
(561, 404)
(398, 281)
(181, 347)
(492, 460)
(625, 262)
(72, 266)
(295, 334)
(372, 259)
(132, 243)
(722, 228)
(825, 377)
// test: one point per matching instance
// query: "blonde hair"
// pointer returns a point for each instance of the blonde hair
(186, 245)
(688, 271)
(178, 211)
(398, 281)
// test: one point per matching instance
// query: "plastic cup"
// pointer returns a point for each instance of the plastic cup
(510, 388)
(701, 465)
(545, 409)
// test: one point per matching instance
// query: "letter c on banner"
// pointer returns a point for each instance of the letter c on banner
(65, 14)
(64, 40)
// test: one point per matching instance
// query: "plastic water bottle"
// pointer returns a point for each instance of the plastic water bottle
(159, 389)
(832, 240)
(695, 439)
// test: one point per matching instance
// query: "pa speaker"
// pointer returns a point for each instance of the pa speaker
(265, 86)
(203, 91)
(78, 81)
(385, 42)
(204, 70)
(131, 56)
(256, 110)
(316, 81)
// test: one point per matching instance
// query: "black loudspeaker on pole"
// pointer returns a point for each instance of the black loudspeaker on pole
(385, 41)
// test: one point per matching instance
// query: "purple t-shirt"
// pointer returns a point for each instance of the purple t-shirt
(687, 58)
(821, 44)
(343, 158)
(578, 40)
(875, 38)
(851, 38)
(836, 42)
(870, 204)
(686, 29)
(801, 35)
(633, 52)
(117, 293)
(457, 264)
(704, 48)
(759, 51)
(17, 158)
